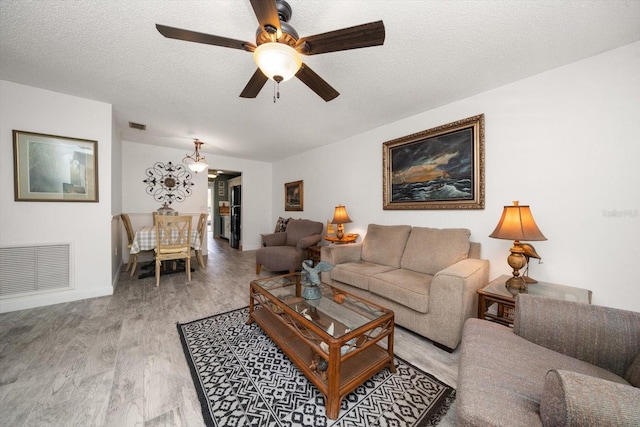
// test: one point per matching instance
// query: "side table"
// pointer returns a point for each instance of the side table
(347, 238)
(505, 303)
(314, 254)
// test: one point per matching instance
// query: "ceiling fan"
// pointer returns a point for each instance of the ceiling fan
(278, 47)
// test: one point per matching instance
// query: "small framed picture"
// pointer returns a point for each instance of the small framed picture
(50, 168)
(294, 196)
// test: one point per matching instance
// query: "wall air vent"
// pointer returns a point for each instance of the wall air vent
(138, 126)
(26, 270)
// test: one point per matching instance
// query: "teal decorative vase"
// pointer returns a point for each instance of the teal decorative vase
(311, 291)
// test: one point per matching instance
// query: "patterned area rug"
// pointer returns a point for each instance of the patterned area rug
(243, 379)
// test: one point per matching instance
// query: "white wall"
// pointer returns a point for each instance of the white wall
(256, 195)
(564, 142)
(31, 223)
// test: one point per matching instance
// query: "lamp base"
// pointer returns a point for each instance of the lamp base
(516, 285)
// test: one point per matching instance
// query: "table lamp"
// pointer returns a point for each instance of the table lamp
(340, 217)
(517, 224)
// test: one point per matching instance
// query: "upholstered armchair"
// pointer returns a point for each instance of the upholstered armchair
(563, 363)
(285, 251)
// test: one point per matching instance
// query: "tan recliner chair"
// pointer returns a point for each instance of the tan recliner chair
(286, 250)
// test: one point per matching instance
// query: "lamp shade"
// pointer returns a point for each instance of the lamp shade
(197, 166)
(277, 59)
(340, 215)
(517, 223)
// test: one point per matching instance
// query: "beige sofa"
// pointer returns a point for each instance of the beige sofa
(429, 277)
(563, 363)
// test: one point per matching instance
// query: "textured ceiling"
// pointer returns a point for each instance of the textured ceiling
(435, 52)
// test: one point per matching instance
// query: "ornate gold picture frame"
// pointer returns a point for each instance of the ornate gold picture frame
(439, 168)
(294, 196)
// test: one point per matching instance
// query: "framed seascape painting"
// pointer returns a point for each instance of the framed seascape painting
(439, 168)
(293, 196)
(49, 168)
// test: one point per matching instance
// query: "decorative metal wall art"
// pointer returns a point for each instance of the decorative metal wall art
(168, 183)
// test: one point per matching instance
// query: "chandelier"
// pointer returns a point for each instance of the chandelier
(195, 161)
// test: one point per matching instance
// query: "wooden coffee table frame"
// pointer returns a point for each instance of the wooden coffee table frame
(299, 338)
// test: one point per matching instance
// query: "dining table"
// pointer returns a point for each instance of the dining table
(145, 240)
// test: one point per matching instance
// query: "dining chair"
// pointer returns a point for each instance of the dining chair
(133, 258)
(202, 229)
(173, 242)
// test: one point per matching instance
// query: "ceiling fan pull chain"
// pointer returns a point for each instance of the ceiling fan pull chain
(276, 94)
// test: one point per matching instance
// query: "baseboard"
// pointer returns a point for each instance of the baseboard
(50, 298)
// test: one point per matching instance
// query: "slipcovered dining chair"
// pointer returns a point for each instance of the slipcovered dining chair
(285, 251)
(133, 258)
(173, 242)
(202, 229)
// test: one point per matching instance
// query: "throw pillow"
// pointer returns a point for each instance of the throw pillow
(281, 225)
(430, 250)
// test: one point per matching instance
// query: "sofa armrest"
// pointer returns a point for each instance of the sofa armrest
(573, 399)
(466, 269)
(338, 254)
(274, 239)
(453, 298)
(308, 241)
(603, 336)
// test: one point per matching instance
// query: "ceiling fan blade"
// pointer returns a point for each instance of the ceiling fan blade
(307, 76)
(365, 35)
(193, 36)
(253, 88)
(267, 15)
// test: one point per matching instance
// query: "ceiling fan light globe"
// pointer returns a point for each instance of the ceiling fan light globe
(277, 59)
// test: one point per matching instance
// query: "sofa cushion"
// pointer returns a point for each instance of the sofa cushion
(405, 287)
(633, 373)
(279, 258)
(430, 250)
(572, 399)
(357, 273)
(508, 372)
(384, 244)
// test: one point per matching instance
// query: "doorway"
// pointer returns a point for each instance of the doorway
(219, 223)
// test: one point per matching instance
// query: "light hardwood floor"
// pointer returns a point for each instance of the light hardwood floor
(118, 361)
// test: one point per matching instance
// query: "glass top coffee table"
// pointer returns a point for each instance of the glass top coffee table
(337, 340)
